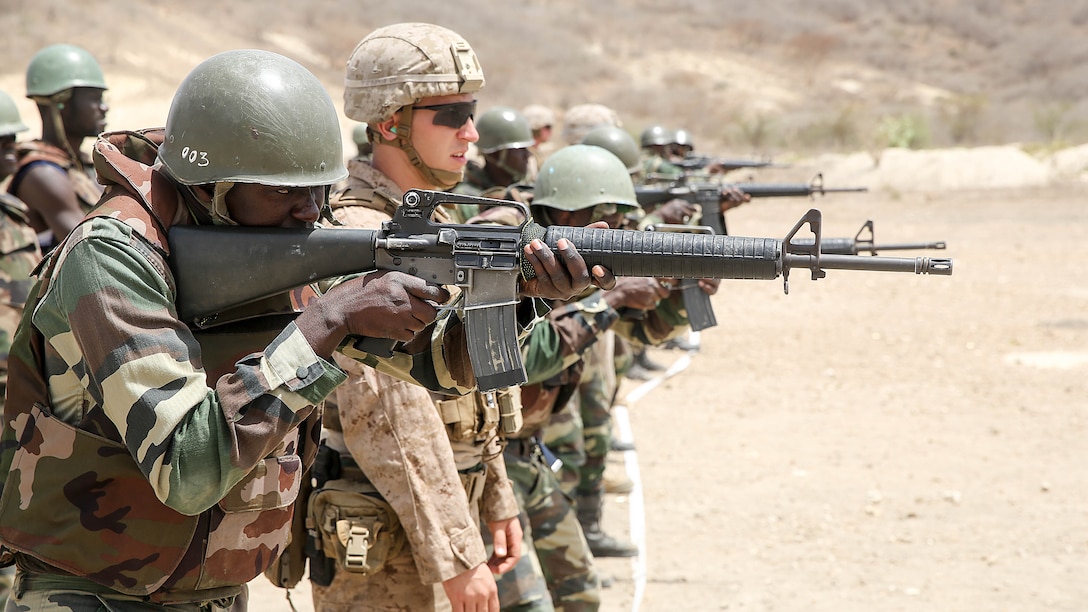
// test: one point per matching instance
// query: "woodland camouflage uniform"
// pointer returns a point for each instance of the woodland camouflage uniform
(149, 464)
(19, 253)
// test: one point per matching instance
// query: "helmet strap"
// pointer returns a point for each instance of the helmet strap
(220, 213)
(207, 211)
(444, 179)
(54, 103)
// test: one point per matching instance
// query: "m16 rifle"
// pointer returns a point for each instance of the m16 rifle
(698, 162)
(865, 242)
(484, 261)
(707, 195)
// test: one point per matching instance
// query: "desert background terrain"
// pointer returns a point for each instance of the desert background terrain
(871, 441)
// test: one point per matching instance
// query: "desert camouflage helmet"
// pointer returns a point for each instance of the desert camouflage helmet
(502, 127)
(580, 119)
(539, 116)
(618, 142)
(57, 68)
(10, 121)
(656, 135)
(581, 176)
(398, 65)
(251, 116)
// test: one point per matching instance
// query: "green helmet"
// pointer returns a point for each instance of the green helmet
(618, 142)
(60, 67)
(10, 121)
(252, 116)
(502, 128)
(683, 138)
(656, 135)
(398, 65)
(581, 176)
(359, 135)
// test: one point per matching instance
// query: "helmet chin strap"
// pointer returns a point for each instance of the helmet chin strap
(55, 103)
(444, 179)
(219, 210)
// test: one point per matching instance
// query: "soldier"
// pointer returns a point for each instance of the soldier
(582, 118)
(578, 184)
(430, 465)
(55, 179)
(542, 122)
(19, 253)
(632, 362)
(172, 455)
(505, 139)
(682, 146)
(656, 142)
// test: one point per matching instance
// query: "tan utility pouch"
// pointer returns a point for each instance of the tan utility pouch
(474, 415)
(358, 529)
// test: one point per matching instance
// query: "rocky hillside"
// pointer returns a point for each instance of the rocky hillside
(761, 77)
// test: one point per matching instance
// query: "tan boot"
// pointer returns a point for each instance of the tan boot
(618, 485)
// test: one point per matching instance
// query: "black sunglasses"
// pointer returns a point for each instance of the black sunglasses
(452, 115)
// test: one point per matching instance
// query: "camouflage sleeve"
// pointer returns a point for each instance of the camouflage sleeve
(110, 315)
(662, 324)
(556, 344)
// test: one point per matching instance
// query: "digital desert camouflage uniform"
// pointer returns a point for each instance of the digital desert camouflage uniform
(105, 373)
(435, 461)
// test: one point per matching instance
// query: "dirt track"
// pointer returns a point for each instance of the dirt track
(876, 441)
(882, 441)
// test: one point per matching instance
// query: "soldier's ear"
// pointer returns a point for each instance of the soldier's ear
(387, 129)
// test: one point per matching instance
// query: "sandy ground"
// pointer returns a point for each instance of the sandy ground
(872, 441)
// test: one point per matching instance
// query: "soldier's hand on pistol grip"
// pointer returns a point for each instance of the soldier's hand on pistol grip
(382, 304)
(710, 285)
(676, 211)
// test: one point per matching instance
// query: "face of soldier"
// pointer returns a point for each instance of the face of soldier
(84, 114)
(609, 213)
(443, 147)
(514, 161)
(7, 156)
(274, 206)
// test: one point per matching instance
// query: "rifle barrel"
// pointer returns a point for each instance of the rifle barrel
(851, 246)
(791, 190)
(918, 265)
